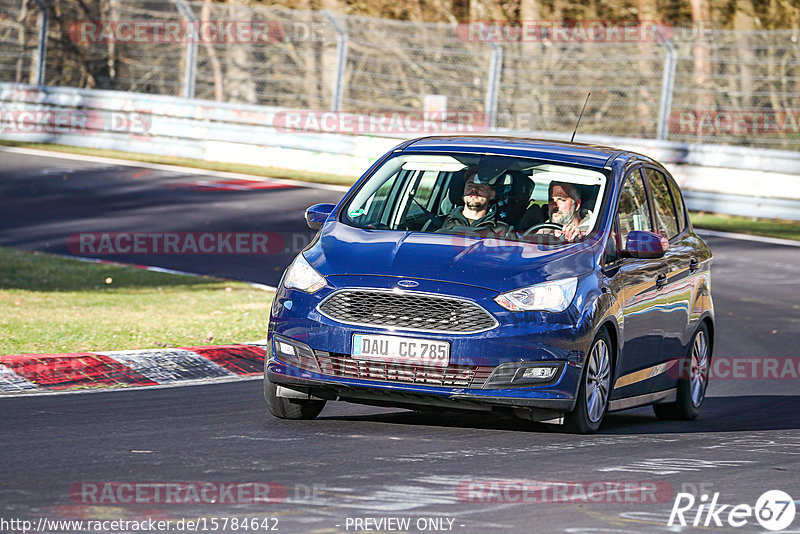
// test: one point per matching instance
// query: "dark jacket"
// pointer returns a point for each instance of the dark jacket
(488, 225)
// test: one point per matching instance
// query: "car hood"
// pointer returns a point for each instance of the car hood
(493, 264)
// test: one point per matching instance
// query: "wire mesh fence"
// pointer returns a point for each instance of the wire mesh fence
(18, 41)
(545, 85)
(737, 88)
(292, 66)
(725, 87)
(393, 65)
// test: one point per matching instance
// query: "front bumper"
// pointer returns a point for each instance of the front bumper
(559, 338)
(549, 400)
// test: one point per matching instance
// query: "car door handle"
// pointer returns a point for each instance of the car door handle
(661, 281)
(693, 265)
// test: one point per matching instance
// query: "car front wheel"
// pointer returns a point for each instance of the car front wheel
(594, 389)
(693, 381)
(284, 408)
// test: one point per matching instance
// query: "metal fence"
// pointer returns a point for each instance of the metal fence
(688, 86)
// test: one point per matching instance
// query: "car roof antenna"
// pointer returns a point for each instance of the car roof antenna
(579, 117)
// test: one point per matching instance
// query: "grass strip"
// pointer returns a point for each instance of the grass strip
(747, 225)
(51, 304)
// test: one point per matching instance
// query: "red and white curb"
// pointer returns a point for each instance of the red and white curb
(39, 373)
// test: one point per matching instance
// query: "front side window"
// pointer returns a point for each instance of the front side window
(634, 213)
(482, 195)
(613, 246)
(680, 209)
(666, 219)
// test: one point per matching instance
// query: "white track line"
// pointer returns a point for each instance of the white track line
(256, 285)
(166, 167)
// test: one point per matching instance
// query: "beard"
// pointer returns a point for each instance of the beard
(476, 205)
(561, 218)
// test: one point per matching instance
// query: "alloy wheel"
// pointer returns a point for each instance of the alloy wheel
(699, 371)
(598, 380)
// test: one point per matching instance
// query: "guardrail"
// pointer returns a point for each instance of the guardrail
(717, 178)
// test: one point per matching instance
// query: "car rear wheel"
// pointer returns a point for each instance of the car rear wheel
(594, 390)
(284, 408)
(693, 381)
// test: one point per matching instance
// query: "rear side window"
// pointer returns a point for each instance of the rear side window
(666, 219)
(634, 214)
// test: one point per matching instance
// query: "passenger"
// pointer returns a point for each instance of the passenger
(565, 209)
(478, 214)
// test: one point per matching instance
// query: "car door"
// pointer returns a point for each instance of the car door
(635, 279)
(675, 291)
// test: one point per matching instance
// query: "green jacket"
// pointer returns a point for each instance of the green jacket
(455, 222)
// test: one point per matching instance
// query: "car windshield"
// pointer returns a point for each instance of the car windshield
(482, 195)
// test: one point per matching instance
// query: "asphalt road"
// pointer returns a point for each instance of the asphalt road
(48, 201)
(357, 462)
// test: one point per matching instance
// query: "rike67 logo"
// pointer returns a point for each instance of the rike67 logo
(774, 510)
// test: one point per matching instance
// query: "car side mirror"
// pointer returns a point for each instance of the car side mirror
(645, 245)
(317, 214)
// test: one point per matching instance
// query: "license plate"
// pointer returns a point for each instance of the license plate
(401, 350)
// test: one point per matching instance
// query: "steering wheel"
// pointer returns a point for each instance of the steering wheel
(536, 227)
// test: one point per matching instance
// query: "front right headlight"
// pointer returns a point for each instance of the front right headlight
(301, 275)
(547, 296)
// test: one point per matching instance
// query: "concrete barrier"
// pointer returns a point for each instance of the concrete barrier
(718, 178)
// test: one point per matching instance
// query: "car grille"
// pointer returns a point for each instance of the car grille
(411, 311)
(344, 366)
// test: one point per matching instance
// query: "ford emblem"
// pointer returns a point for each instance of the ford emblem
(407, 283)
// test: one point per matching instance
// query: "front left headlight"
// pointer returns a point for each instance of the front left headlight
(301, 275)
(547, 296)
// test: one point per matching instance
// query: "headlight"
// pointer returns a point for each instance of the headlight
(547, 296)
(301, 275)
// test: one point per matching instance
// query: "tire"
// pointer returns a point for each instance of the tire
(290, 408)
(693, 381)
(594, 389)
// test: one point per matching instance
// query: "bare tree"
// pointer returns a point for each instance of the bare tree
(216, 67)
(701, 18)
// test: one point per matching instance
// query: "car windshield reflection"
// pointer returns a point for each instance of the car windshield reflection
(511, 198)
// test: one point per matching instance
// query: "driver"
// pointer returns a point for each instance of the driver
(478, 215)
(565, 209)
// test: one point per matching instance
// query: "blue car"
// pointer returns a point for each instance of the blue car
(551, 281)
